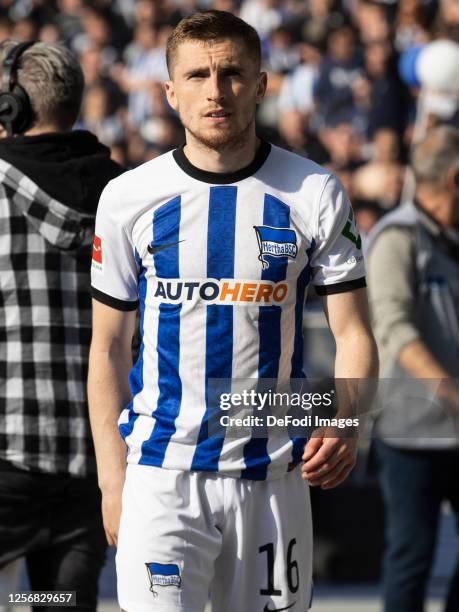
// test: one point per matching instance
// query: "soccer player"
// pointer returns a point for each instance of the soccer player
(215, 243)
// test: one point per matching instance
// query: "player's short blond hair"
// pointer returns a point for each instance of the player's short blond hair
(209, 26)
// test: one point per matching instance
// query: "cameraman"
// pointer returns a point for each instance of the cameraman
(50, 182)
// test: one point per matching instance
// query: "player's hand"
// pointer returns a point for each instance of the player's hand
(111, 510)
(328, 459)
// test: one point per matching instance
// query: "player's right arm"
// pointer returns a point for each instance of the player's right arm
(108, 393)
(114, 280)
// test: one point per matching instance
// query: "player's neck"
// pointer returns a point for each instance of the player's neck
(228, 160)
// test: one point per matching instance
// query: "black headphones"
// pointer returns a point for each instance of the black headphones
(15, 109)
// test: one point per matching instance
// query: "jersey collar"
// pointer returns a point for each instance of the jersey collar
(222, 178)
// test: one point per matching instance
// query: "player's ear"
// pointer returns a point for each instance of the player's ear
(261, 87)
(170, 94)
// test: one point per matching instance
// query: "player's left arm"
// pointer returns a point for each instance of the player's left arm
(328, 458)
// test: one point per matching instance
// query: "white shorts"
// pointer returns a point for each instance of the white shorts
(184, 535)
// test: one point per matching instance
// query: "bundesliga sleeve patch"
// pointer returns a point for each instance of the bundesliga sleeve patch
(97, 253)
(350, 230)
(163, 574)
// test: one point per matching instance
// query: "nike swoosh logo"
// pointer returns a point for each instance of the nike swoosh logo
(156, 249)
(268, 609)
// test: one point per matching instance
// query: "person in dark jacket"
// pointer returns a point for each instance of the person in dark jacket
(50, 182)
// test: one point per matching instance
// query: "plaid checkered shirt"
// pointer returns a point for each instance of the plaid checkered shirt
(45, 329)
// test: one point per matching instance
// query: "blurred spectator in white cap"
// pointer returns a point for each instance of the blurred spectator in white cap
(438, 72)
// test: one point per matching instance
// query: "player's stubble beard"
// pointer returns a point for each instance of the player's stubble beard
(225, 140)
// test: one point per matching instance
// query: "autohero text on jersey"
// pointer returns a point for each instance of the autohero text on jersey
(227, 291)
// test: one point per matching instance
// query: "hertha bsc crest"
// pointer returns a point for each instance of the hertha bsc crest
(163, 574)
(275, 242)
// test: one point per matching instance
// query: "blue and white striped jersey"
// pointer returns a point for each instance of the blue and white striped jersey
(219, 266)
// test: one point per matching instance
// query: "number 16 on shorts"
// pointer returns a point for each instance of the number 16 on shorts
(293, 575)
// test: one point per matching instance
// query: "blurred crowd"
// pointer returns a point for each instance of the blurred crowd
(342, 88)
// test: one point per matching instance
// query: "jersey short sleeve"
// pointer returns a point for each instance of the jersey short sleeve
(114, 270)
(337, 260)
